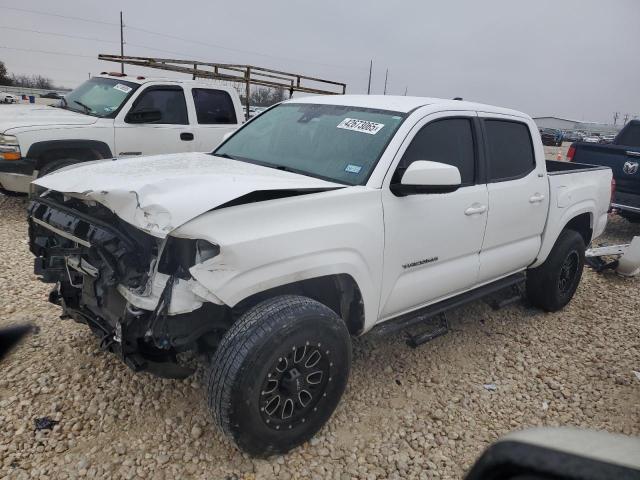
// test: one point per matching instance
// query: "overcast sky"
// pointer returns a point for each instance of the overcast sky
(569, 58)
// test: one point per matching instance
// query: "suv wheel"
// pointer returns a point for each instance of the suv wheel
(552, 285)
(278, 374)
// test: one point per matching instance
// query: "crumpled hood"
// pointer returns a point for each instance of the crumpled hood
(21, 116)
(160, 193)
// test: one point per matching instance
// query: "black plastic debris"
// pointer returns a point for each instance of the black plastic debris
(45, 423)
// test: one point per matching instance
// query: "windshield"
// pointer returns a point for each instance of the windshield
(333, 142)
(100, 97)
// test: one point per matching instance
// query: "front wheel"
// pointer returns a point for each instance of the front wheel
(552, 285)
(278, 374)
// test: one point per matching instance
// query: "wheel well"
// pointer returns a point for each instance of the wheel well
(582, 225)
(81, 150)
(338, 292)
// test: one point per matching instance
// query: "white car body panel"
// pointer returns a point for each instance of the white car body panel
(365, 232)
(162, 192)
(15, 119)
(283, 241)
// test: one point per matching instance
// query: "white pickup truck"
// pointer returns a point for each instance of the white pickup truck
(113, 115)
(319, 219)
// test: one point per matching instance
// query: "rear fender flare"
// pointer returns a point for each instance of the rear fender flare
(553, 232)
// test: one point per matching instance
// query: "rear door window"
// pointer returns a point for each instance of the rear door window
(213, 106)
(510, 150)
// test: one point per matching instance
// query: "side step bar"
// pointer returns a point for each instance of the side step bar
(410, 319)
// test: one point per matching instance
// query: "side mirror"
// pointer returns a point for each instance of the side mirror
(143, 116)
(423, 176)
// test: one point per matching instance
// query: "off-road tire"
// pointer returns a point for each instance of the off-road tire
(240, 382)
(552, 285)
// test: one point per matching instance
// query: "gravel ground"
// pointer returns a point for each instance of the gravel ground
(406, 414)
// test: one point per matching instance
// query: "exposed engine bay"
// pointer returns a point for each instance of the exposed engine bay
(105, 270)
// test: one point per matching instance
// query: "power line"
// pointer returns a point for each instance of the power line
(55, 34)
(68, 17)
(68, 54)
(78, 37)
(175, 37)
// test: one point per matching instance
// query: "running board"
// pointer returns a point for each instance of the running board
(410, 319)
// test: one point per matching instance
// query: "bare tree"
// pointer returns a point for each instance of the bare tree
(31, 81)
(4, 79)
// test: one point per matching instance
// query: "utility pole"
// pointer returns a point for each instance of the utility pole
(405, 90)
(615, 118)
(386, 75)
(121, 43)
(369, 87)
(626, 118)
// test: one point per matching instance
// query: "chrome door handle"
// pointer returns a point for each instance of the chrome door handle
(632, 154)
(537, 198)
(475, 210)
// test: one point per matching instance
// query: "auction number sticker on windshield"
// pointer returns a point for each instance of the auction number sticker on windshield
(122, 88)
(363, 126)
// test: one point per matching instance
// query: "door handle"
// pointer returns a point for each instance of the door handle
(537, 198)
(475, 209)
(632, 154)
(186, 136)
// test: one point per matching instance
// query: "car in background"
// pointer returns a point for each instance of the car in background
(609, 138)
(591, 139)
(9, 98)
(551, 137)
(53, 95)
(255, 111)
(571, 136)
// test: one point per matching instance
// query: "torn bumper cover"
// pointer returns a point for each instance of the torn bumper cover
(105, 276)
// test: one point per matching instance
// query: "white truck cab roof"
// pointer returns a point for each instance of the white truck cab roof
(404, 104)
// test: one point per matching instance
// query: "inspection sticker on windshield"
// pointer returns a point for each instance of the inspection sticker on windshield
(353, 168)
(363, 126)
(122, 88)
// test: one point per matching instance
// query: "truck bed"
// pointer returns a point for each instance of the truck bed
(556, 167)
(575, 189)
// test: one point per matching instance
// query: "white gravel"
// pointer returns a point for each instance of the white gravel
(423, 413)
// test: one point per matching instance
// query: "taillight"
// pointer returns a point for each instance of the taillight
(571, 153)
(613, 190)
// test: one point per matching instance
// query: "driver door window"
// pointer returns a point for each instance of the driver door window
(447, 141)
(157, 122)
(169, 102)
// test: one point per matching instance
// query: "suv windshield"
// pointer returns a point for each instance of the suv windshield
(100, 97)
(333, 142)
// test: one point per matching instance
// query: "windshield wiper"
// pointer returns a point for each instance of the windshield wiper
(87, 109)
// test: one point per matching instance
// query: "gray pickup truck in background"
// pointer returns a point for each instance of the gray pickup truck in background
(623, 157)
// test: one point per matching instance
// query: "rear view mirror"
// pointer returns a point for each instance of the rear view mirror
(559, 454)
(143, 116)
(423, 176)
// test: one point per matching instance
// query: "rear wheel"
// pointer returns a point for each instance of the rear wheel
(279, 373)
(552, 285)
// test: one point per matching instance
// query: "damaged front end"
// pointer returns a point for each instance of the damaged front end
(132, 289)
